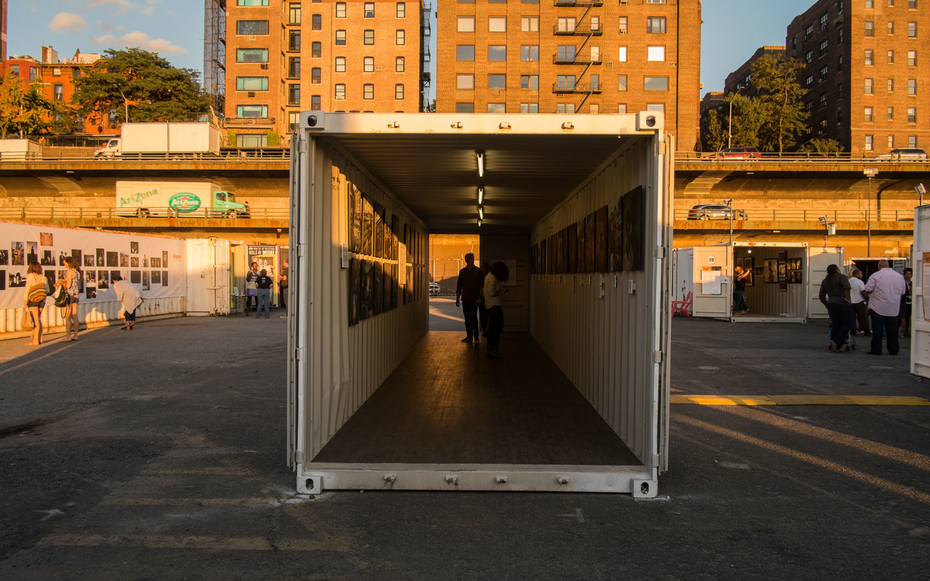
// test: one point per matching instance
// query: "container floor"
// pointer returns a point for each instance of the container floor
(447, 403)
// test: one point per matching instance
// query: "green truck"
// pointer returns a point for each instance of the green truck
(166, 199)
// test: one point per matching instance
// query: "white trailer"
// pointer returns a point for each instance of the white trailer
(783, 287)
(602, 334)
(19, 149)
(156, 138)
(920, 313)
(177, 199)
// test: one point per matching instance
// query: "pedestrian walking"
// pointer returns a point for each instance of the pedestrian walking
(493, 296)
(34, 294)
(906, 302)
(834, 294)
(859, 304)
(263, 284)
(71, 283)
(885, 289)
(129, 299)
(467, 293)
(251, 291)
(739, 294)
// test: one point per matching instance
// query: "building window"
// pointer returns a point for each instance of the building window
(247, 84)
(891, 113)
(809, 81)
(823, 101)
(60, 91)
(912, 86)
(891, 142)
(497, 108)
(622, 86)
(869, 57)
(868, 114)
(368, 92)
(912, 29)
(253, 111)
(912, 114)
(869, 86)
(621, 107)
(566, 52)
(293, 120)
(824, 19)
(824, 72)
(466, 24)
(315, 102)
(369, 10)
(839, 35)
(401, 11)
(464, 107)
(399, 64)
(624, 25)
(465, 82)
(890, 57)
(912, 141)
(891, 27)
(912, 4)
(655, 53)
(655, 83)
(621, 54)
(595, 82)
(912, 58)
(529, 82)
(293, 14)
(316, 49)
(251, 2)
(529, 107)
(869, 28)
(870, 3)
(56, 71)
(76, 73)
(251, 27)
(398, 92)
(595, 23)
(891, 85)
(868, 143)
(251, 140)
(251, 55)
(316, 75)
(293, 67)
(565, 81)
(340, 64)
(529, 52)
(340, 38)
(340, 9)
(565, 108)
(497, 24)
(497, 81)
(565, 25)
(839, 63)
(529, 24)
(497, 53)
(340, 92)
(293, 40)
(655, 25)
(465, 52)
(316, 22)
(809, 57)
(369, 37)
(400, 37)
(823, 47)
(368, 64)
(293, 94)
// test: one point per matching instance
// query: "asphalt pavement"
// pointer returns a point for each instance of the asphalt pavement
(159, 453)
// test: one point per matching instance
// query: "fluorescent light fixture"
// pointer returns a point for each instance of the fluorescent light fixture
(479, 222)
(481, 212)
(480, 156)
(480, 196)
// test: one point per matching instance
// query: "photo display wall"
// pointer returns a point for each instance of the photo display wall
(155, 266)
(610, 239)
(374, 259)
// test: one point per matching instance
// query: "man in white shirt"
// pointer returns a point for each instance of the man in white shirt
(859, 305)
(884, 289)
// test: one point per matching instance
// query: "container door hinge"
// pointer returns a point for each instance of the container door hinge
(657, 357)
(299, 250)
(663, 148)
(299, 354)
(660, 252)
(310, 484)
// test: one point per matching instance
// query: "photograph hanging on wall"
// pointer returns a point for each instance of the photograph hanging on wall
(18, 252)
(367, 271)
(387, 304)
(2, 280)
(770, 270)
(89, 260)
(633, 243)
(156, 278)
(600, 250)
(17, 280)
(134, 261)
(46, 239)
(123, 260)
(102, 280)
(782, 271)
(164, 259)
(355, 218)
(4, 257)
(746, 264)
(51, 279)
(408, 287)
(395, 289)
(354, 288)
(377, 289)
(32, 252)
(368, 225)
(133, 248)
(590, 243)
(47, 258)
(395, 233)
(135, 276)
(615, 237)
(572, 242)
(378, 232)
(101, 257)
(386, 234)
(794, 277)
(164, 278)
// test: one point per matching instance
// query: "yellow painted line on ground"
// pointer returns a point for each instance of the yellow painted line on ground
(750, 400)
(190, 501)
(188, 542)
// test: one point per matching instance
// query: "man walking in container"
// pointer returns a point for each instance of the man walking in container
(468, 289)
(884, 289)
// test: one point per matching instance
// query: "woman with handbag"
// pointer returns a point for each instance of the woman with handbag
(71, 284)
(34, 295)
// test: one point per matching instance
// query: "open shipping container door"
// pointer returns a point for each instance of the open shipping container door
(712, 281)
(920, 258)
(422, 170)
(208, 277)
(818, 259)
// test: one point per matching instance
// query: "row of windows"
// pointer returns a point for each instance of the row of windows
(368, 92)
(368, 66)
(593, 108)
(911, 28)
(260, 28)
(654, 24)
(293, 12)
(565, 52)
(870, 142)
(466, 82)
(911, 57)
(911, 4)
(911, 114)
(870, 86)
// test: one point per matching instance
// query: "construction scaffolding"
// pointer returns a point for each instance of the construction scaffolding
(214, 53)
(425, 77)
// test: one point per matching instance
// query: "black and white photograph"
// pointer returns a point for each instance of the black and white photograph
(2, 280)
(32, 252)
(90, 292)
(145, 281)
(47, 258)
(114, 274)
(156, 262)
(600, 244)
(164, 259)
(112, 259)
(354, 290)
(76, 254)
(770, 270)
(156, 277)
(365, 298)
(145, 261)
(164, 278)
(134, 261)
(90, 277)
(135, 276)
(368, 225)
(18, 253)
(379, 231)
(51, 279)
(123, 260)
(102, 282)
(355, 219)
(133, 248)
(633, 231)
(4, 257)
(17, 280)
(615, 237)
(590, 242)
(61, 258)
(46, 239)
(101, 257)
(89, 260)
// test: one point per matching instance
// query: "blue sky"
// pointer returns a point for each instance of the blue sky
(732, 30)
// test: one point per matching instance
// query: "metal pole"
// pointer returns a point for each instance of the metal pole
(730, 126)
(868, 219)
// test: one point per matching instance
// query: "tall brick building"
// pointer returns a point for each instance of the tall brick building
(867, 72)
(572, 56)
(284, 56)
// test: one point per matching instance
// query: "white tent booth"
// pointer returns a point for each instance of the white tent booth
(920, 314)
(782, 288)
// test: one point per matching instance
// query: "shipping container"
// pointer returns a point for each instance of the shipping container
(376, 401)
(920, 311)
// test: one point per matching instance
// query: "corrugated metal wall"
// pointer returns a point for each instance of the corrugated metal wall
(767, 298)
(599, 332)
(93, 314)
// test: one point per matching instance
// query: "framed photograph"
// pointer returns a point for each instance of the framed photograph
(782, 271)
(770, 270)
(156, 279)
(615, 237)
(600, 240)
(46, 239)
(590, 243)
(543, 248)
(395, 234)
(633, 232)
(112, 259)
(164, 278)
(572, 241)
(378, 232)
(133, 248)
(101, 257)
(368, 226)
(89, 260)
(103, 282)
(366, 280)
(18, 252)
(746, 264)
(354, 289)
(355, 219)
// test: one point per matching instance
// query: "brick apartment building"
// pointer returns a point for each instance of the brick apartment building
(740, 80)
(283, 57)
(867, 72)
(3, 18)
(572, 56)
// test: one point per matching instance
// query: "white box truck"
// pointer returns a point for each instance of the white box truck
(179, 199)
(19, 149)
(155, 138)
(378, 401)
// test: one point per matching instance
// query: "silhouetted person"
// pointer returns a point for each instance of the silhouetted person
(834, 294)
(493, 296)
(468, 289)
(884, 289)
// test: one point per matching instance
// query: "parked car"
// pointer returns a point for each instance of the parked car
(905, 154)
(433, 289)
(715, 212)
(749, 153)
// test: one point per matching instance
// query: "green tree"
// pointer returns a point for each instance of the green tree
(715, 134)
(779, 101)
(822, 146)
(26, 111)
(747, 121)
(153, 89)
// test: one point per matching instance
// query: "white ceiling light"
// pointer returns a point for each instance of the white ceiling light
(480, 156)
(480, 196)
(481, 212)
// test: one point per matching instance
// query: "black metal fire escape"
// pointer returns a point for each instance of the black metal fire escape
(583, 28)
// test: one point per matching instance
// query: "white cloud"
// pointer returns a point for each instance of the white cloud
(141, 40)
(67, 22)
(107, 26)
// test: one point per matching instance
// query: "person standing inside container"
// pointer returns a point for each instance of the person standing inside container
(129, 300)
(482, 308)
(34, 294)
(71, 282)
(263, 282)
(493, 298)
(884, 289)
(282, 286)
(859, 304)
(467, 293)
(251, 291)
(906, 302)
(834, 293)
